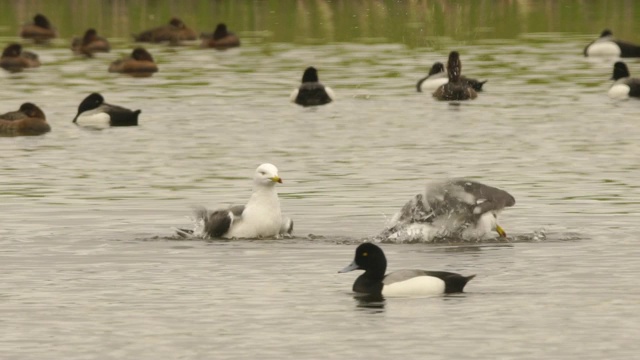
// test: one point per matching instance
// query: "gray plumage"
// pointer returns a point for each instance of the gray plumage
(218, 222)
(459, 207)
(469, 198)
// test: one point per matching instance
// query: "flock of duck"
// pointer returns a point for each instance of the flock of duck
(455, 207)
(30, 120)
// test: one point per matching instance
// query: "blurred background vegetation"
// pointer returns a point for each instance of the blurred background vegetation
(412, 22)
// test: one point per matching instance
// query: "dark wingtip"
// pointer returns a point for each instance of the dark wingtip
(290, 229)
(470, 277)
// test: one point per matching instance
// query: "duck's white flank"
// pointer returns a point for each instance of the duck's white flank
(433, 84)
(604, 48)
(94, 118)
(330, 92)
(619, 91)
(294, 95)
(415, 286)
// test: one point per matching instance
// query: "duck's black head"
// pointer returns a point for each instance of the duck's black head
(12, 50)
(605, 33)
(89, 35)
(91, 102)
(454, 66)
(437, 68)
(177, 23)
(141, 54)
(310, 75)
(620, 71)
(31, 110)
(220, 32)
(370, 258)
(41, 21)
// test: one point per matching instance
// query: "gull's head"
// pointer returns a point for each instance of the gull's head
(267, 174)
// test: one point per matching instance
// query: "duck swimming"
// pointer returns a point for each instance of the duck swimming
(93, 111)
(624, 86)
(311, 92)
(370, 258)
(29, 120)
(607, 45)
(40, 30)
(173, 32)
(139, 64)
(438, 76)
(14, 59)
(90, 43)
(221, 38)
(455, 89)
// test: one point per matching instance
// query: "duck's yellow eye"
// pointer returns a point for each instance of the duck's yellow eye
(365, 254)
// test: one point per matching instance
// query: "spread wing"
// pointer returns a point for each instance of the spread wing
(466, 198)
(218, 222)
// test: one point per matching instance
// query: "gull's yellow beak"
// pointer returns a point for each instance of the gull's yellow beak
(500, 231)
(276, 179)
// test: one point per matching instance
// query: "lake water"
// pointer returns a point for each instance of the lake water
(91, 268)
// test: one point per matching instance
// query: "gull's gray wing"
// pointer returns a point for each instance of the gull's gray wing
(287, 226)
(415, 211)
(237, 210)
(466, 197)
(216, 223)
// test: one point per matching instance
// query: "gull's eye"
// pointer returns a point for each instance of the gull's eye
(262, 173)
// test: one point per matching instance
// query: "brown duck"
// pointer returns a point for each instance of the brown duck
(174, 32)
(29, 120)
(15, 60)
(455, 89)
(40, 30)
(90, 43)
(139, 64)
(221, 38)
